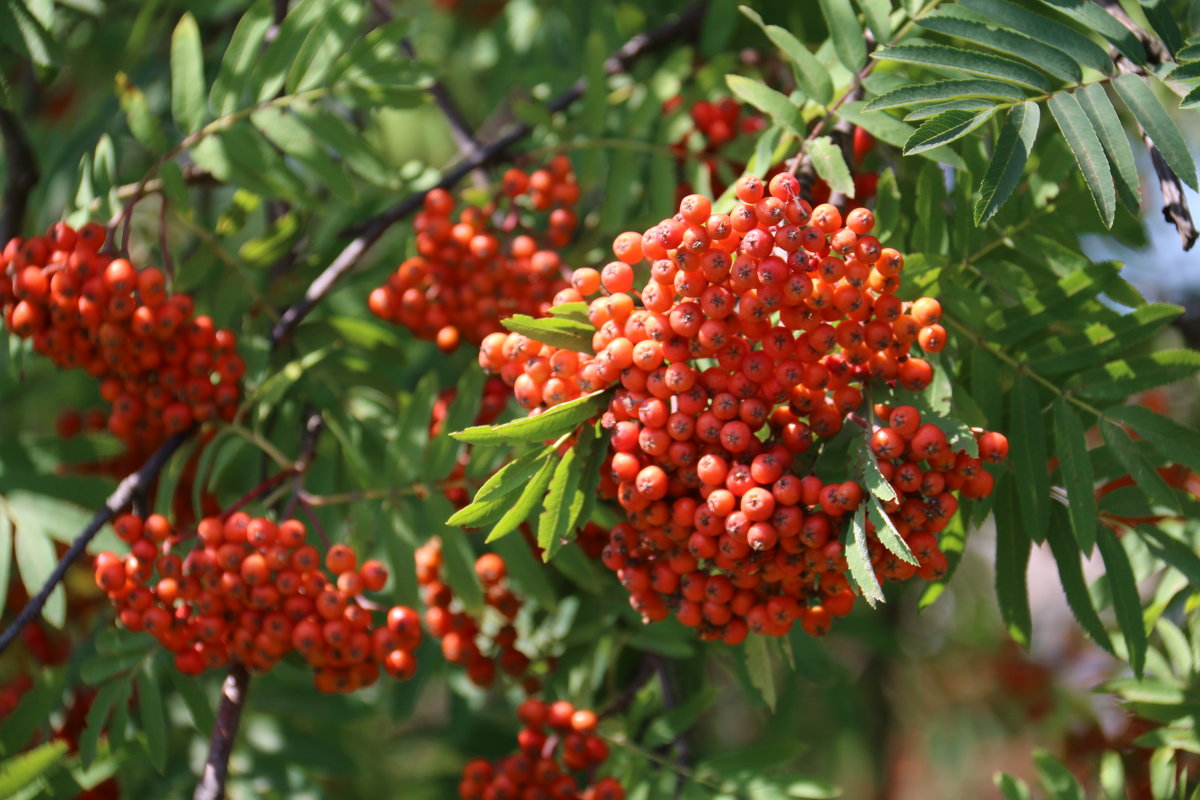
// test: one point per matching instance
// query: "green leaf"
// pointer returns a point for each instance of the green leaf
(761, 668)
(940, 56)
(892, 131)
(6, 553)
(1057, 779)
(1186, 72)
(1028, 437)
(1191, 100)
(1138, 466)
(272, 67)
(859, 559)
(964, 24)
(576, 312)
(1089, 153)
(1076, 466)
(1146, 109)
(811, 74)
(554, 331)
(141, 120)
(887, 534)
(1173, 441)
(97, 715)
(847, 34)
(1013, 547)
(35, 562)
(941, 91)
(459, 560)
(775, 105)
(830, 164)
(530, 498)
(1011, 151)
(1070, 574)
(873, 479)
(1095, 103)
(945, 128)
(188, 105)
(878, 17)
(22, 770)
(1167, 548)
(1123, 377)
(153, 718)
(1094, 18)
(240, 57)
(192, 693)
(933, 109)
(1011, 788)
(99, 668)
(555, 422)
(329, 40)
(293, 137)
(1044, 29)
(554, 521)
(24, 33)
(1126, 602)
(525, 571)
(512, 475)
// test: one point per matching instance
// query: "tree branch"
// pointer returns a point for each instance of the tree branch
(126, 491)
(229, 715)
(23, 175)
(370, 233)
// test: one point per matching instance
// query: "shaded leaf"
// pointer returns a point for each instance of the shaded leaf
(240, 56)
(1126, 602)
(1013, 547)
(1095, 103)
(1167, 548)
(1011, 151)
(1146, 109)
(847, 34)
(859, 559)
(1173, 441)
(153, 718)
(761, 668)
(1028, 453)
(1076, 466)
(956, 21)
(1123, 377)
(188, 95)
(1044, 29)
(887, 534)
(944, 128)
(1089, 154)
(942, 56)
(6, 554)
(1138, 466)
(1070, 574)
(35, 562)
(459, 560)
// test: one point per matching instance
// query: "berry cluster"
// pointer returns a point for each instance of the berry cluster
(160, 368)
(465, 640)
(472, 273)
(543, 765)
(252, 591)
(757, 333)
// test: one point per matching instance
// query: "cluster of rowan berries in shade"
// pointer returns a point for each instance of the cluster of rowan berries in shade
(252, 591)
(160, 367)
(478, 645)
(471, 273)
(557, 746)
(757, 332)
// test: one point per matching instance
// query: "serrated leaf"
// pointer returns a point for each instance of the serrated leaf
(330, 39)
(892, 131)
(21, 771)
(830, 164)
(1186, 72)
(942, 56)
(550, 424)
(1089, 154)
(944, 128)
(810, 72)
(1126, 602)
(1168, 549)
(1075, 464)
(576, 312)
(294, 138)
(846, 32)
(859, 559)
(761, 668)
(1173, 441)
(779, 108)
(240, 56)
(1013, 547)
(358, 153)
(554, 519)
(188, 96)
(512, 475)
(530, 498)
(933, 109)
(35, 562)
(1146, 109)
(1012, 149)
(887, 534)
(941, 91)
(1095, 103)
(1070, 574)
(273, 65)
(1057, 779)
(873, 479)
(567, 334)
(1096, 19)
(153, 719)
(956, 21)
(459, 561)
(1028, 453)
(1043, 28)
(97, 715)
(1143, 472)
(1123, 377)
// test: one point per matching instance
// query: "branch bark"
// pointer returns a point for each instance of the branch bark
(370, 233)
(125, 493)
(229, 716)
(23, 175)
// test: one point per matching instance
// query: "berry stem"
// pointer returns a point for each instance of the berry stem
(229, 715)
(118, 500)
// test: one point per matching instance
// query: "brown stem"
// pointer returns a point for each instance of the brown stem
(495, 150)
(119, 499)
(23, 175)
(229, 715)
(460, 129)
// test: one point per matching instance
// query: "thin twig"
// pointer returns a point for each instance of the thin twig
(373, 230)
(229, 715)
(23, 175)
(314, 424)
(119, 499)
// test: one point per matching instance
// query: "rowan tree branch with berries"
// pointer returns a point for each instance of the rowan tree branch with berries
(538, 387)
